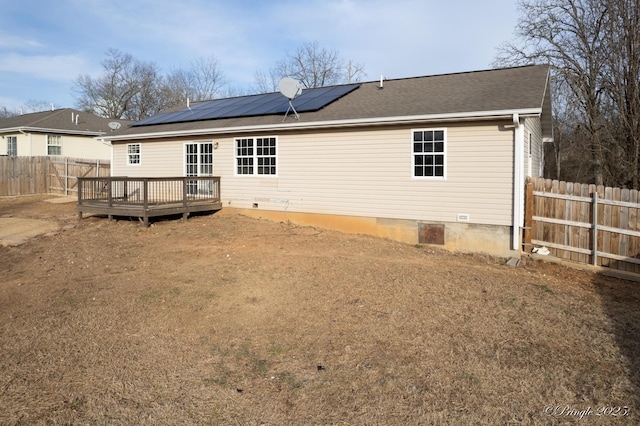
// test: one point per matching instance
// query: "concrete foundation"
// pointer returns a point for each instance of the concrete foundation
(460, 237)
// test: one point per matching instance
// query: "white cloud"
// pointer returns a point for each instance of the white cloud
(10, 103)
(400, 38)
(55, 67)
(13, 42)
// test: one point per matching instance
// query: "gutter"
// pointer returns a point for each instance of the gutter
(465, 116)
(27, 129)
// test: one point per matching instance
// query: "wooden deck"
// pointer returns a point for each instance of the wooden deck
(148, 197)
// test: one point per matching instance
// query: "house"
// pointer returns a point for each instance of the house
(437, 160)
(63, 132)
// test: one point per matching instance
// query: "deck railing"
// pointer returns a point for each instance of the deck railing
(148, 196)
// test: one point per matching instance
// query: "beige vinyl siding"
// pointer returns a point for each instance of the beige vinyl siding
(368, 173)
(34, 144)
(532, 125)
(358, 173)
(82, 147)
(157, 159)
(3, 145)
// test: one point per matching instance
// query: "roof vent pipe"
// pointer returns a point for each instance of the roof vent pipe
(77, 116)
(72, 116)
(381, 82)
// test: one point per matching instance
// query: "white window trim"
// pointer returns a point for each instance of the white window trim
(139, 154)
(444, 154)
(49, 144)
(255, 158)
(15, 146)
(199, 143)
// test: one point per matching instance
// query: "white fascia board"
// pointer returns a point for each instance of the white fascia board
(464, 116)
(28, 129)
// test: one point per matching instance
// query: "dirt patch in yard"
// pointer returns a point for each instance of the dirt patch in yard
(225, 319)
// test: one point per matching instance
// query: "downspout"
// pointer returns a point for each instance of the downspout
(518, 182)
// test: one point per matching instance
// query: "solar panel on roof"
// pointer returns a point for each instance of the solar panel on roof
(253, 105)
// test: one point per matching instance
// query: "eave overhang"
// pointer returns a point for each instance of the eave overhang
(29, 129)
(361, 122)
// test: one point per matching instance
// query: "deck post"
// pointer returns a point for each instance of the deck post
(145, 195)
(185, 215)
(184, 191)
(109, 194)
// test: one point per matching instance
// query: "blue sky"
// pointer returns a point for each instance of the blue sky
(46, 45)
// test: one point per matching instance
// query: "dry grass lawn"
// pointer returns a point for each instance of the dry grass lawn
(230, 320)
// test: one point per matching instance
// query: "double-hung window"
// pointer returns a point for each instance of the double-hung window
(429, 153)
(54, 145)
(133, 153)
(12, 146)
(256, 156)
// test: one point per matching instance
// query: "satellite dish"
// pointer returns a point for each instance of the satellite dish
(290, 87)
(114, 125)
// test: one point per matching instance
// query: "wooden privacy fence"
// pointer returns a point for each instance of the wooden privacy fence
(64, 173)
(42, 175)
(23, 175)
(584, 223)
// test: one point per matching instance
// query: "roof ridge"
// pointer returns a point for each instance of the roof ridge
(48, 116)
(458, 73)
(45, 115)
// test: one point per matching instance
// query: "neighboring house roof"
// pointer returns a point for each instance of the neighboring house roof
(65, 121)
(496, 93)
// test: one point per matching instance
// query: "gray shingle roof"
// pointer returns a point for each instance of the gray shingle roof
(60, 121)
(507, 89)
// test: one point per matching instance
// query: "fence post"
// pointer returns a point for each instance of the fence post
(66, 177)
(47, 178)
(595, 228)
(528, 216)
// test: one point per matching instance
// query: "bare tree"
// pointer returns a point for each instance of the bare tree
(33, 105)
(29, 107)
(594, 47)
(207, 78)
(126, 89)
(623, 86)
(313, 66)
(354, 72)
(266, 82)
(6, 112)
(569, 35)
(203, 81)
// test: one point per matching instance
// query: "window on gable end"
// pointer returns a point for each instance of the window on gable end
(12, 146)
(429, 153)
(54, 145)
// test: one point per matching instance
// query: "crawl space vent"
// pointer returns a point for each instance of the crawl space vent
(430, 234)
